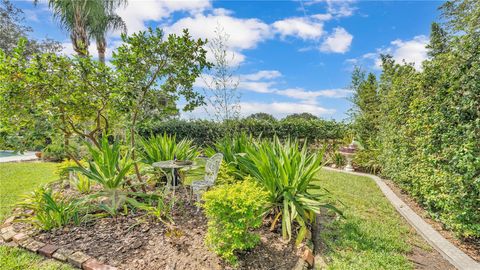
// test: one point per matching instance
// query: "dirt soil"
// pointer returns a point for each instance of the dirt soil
(137, 242)
(470, 247)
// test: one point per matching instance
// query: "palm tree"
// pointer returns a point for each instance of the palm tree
(86, 19)
(109, 21)
(74, 16)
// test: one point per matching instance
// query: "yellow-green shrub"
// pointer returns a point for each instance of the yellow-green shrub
(64, 168)
(232, 211)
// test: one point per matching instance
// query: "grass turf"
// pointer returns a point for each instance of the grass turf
(17, 179)
(372, 235)
(20, 178)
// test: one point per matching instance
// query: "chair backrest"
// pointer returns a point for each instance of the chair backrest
(212, 167)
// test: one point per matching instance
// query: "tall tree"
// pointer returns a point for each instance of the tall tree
(221, 85)
(108, 21)
(12, 28)
(438, 40)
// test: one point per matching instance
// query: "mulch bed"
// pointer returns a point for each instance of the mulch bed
(139, 242)
(471, 246)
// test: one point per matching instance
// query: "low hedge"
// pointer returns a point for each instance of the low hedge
(205, 132)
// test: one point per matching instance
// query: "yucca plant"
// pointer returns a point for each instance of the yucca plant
(285, 169)
(50, 209)
(165, 147)
(108, 166)
(231, 147)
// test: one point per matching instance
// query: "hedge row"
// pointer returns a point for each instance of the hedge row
(205, 132)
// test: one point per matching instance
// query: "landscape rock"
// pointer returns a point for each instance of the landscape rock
(48, 250)
(19, 237)
(61, 254)
(77, 258)
(8, 236)
(93, 264)
(34, 246)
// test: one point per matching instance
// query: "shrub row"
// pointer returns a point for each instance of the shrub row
(205, 132)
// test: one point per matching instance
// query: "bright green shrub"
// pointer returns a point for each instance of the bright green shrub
(232, 212)
(65, 167)
(225, 175)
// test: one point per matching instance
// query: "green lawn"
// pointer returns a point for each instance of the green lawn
(372, 235)
(17, 179)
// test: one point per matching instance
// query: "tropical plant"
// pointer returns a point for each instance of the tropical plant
(64, 169)
(81, 183)
(108, 166)
(161, 148)
(51, 210)
(231, 147)
(154, 205)
(232, 212)
(286, 173)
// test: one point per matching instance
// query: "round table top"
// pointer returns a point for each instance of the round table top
(170, 164)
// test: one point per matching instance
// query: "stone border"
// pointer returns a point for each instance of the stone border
(450, 252)
(24, 240)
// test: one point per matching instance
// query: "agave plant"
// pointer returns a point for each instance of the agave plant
(231, 147)
(108, 166)
(286, 171)
(165, 147)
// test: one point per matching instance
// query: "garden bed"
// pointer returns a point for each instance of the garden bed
(135, 241)
(470, 246)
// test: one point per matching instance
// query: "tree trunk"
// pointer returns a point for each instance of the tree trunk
(101, 48)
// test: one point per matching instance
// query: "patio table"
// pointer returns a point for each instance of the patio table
(174, 166)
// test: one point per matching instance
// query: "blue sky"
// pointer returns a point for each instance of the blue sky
(290, 56)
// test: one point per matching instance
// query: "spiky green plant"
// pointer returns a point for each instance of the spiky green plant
(286, 169)
(50, 209)
(165, 147)
(231, 147)
(108, 166)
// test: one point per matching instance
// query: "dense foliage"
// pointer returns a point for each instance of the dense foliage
(428, 138)
(207, 132)
(165, 147)
(232, 211)
(286, 170)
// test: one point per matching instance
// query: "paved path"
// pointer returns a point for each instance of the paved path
(20, 157)
(450, 252)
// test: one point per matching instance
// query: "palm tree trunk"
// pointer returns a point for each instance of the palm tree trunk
(101, 48)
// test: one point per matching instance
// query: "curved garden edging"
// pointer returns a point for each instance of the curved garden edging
(450, 252)
(23, 239)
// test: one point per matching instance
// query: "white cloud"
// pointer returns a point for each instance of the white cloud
(243, 33)
(323, 17)
(337, 42)
(337, 8)
(262, 74)
(282, 109)
(136, 13)
(299, 27)
(409, 51)
(310, 97)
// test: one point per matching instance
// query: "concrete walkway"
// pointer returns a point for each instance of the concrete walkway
(27, 156)
(450, 252)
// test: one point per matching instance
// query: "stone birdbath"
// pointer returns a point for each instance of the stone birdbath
(348, 152)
